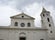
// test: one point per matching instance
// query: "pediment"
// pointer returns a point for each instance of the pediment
(22, 15)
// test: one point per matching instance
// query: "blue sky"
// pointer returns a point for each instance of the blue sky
(31, 7)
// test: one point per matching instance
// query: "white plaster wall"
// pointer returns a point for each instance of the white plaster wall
(4, 34)
(22, 21)
(29, 34)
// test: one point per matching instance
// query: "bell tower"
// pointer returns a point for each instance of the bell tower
(47, 22)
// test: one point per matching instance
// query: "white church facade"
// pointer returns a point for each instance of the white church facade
(22, 28)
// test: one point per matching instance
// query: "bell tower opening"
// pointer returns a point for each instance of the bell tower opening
(22, 38)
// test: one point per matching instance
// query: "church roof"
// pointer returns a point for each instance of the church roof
(22, 14)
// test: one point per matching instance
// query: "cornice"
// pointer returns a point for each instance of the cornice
(15, 28)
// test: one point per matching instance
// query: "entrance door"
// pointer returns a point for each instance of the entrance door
(22, 38)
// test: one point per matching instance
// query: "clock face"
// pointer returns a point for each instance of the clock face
(22, 24)
(47, 14)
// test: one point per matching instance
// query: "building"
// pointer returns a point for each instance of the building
(22, 28)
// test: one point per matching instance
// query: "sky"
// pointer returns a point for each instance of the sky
(31, 7)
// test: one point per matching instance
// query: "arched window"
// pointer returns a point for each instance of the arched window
(49, 25)
(16, 24)
(48, 19)
(51, 32)
(28, 24)
(43, 15)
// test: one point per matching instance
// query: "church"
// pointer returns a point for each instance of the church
(22, 28)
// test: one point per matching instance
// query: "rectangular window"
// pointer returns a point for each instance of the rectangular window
(50, 31)
(48, 19)
(49, 25)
